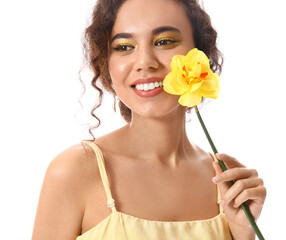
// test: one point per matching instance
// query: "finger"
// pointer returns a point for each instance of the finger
(257, 194)
(239, 186)
(229, 161)
(223, 186)
(235, 174)
(217, 168)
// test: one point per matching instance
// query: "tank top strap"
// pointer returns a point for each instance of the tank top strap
(102, 171)
(218, 190)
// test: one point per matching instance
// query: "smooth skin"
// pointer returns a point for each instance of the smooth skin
(153, 169)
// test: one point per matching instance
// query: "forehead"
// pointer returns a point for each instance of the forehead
(140, 16)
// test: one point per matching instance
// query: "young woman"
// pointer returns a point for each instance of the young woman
(146, 180)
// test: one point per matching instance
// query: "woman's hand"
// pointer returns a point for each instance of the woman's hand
(247, 187)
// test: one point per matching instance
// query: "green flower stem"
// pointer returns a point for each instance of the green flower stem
(223, 167)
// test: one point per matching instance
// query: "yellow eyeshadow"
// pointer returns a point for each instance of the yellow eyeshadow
(164, 38)
(121, 43)
(173, 38)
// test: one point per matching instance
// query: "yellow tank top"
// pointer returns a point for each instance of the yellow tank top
(121, 226)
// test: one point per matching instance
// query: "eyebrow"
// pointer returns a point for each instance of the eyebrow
(156, 31)
(159, 30)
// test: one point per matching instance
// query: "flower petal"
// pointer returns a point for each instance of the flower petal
(195, 56)
(177, 62)
(190, 99)
(191, 55)
(210, 87)
(195, 85)
(174, 84)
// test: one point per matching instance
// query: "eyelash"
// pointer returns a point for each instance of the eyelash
(118, 48)
(122, 47)
(164, 40)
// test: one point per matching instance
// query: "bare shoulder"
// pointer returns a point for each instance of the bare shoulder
(72, 161)
(205, 160)
(71, 167)
(62, 200)
(202, 154)
(74, 170)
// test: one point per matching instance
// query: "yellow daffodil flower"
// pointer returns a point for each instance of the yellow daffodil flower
(192, 78)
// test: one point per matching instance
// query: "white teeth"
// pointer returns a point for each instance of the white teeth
(148, 86)
(151, 86)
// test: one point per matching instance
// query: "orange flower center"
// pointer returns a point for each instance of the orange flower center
(189, 79)
(203, 75)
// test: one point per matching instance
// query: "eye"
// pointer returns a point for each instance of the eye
(162, 42)
(122, 48)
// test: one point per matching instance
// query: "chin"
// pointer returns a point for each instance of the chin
(160, 112)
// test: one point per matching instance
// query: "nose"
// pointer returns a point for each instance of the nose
(146, 59)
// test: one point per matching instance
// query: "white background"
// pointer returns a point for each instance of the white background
(40, 56)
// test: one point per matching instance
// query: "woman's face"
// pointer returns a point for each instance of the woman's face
(145, 37)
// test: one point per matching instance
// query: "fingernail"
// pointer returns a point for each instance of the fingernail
(215, 179)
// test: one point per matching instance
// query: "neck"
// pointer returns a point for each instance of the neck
(163, 140)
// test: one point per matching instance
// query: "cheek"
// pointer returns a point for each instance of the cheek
(118, 68)
(166, 61)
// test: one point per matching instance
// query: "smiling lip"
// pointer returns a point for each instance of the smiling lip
(150, 93)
